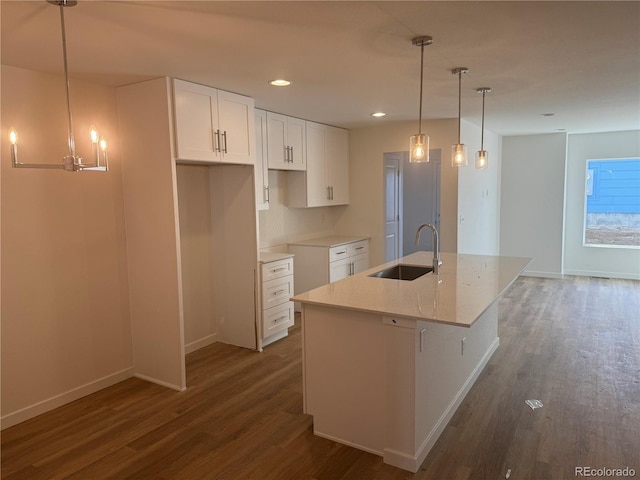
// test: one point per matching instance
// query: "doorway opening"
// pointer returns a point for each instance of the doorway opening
(411, 198)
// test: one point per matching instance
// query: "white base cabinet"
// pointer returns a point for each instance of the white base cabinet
(328, 259)
(277, 286)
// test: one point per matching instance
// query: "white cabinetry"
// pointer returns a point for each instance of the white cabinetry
(326, 179)
(190, 228)
(261, 172)
(276, 280)
(212, 125)
(286, 142)
(328, 259)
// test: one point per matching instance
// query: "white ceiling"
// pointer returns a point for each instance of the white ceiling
(578, 60)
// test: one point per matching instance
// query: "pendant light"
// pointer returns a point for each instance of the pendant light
(419, 143)
(70, 162)
(482, 156)
(459, 150)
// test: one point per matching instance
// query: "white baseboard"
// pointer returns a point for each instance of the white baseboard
(159, 382)
(534, 273)
(404, 461)
(592, 273)
(198, 344)
(44, 406)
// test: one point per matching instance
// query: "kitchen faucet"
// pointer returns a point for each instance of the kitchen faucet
(436, 249)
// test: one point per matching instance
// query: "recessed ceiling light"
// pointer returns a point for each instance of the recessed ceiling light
(378, 114)
(280, 82)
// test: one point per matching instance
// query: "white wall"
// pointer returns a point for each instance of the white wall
(598, 261)
(479, 194)
(365, 214)
(532, 200)
(65, 307)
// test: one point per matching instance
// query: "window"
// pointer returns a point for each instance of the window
(612, 206)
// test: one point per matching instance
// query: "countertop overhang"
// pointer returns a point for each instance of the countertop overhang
(465, 287)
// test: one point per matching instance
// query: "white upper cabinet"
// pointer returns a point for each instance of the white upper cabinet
(213, 125)
(326, 180)
(286, 142)
(261, 171)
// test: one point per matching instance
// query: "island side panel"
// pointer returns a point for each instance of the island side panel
(443, 364)
(345, 376)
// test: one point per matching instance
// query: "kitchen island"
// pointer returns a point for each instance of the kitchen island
(387, 362)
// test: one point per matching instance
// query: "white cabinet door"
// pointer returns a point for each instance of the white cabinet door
(339, 269)
(317, 190)
(360, 263)
(337, 165)
(236, 122)
(213, 125)
(296, 140)
(261, 171)
(196, 121)
(286, 142)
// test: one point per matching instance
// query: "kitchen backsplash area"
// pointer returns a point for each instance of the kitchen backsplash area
(281, 225)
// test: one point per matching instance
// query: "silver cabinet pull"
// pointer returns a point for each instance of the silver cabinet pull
(216, 141)
(279, 269)
(291, 153)
(266, 193)
(359, 248)
(279, 292)
(422, 339)
(224, 141)
(283, 317)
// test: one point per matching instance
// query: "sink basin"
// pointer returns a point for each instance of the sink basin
(402, 272)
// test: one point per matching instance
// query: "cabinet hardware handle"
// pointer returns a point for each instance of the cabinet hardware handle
(279, 269)
(351, 268)
(279, 292)
(331, 193)
(291, 154)
(359, 248)
(341, 253)
(283, 317)
(422, 339)
(224, 138)
(216, 141)
(266, 191)
(328, 193)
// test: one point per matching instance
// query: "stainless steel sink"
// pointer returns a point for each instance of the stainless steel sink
(403, 272)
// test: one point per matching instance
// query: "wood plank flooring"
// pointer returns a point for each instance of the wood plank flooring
(573, 343)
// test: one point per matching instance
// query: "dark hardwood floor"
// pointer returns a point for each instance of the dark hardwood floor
(573, 344)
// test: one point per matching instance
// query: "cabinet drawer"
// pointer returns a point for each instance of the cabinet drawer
(358, 248)
(277, 318)
(338, 253)
(277, 291)
(277, 269)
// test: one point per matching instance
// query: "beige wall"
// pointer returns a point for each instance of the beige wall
(65, 309)
(364, 216)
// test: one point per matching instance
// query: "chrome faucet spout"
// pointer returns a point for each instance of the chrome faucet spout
(436, 246)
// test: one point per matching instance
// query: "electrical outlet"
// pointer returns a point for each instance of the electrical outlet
(462, 345)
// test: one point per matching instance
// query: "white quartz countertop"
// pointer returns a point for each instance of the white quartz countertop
(466, 286)
(268, 257)
(329, 241)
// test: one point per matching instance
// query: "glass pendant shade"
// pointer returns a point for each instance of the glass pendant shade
(419, 148)
(459, 155)
(482, 159)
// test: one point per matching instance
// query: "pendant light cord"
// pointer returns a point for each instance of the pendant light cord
(459, 101)
(72, 143)
(421, 75)
(482, 134)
